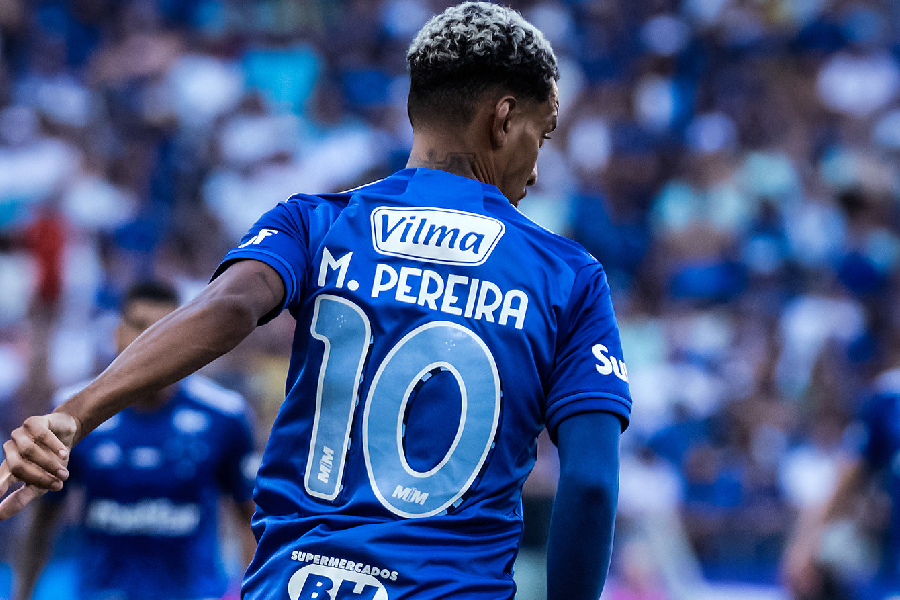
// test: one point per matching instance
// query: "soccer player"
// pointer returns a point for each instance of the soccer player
(876, 434)
(438, 332)
(152, 478)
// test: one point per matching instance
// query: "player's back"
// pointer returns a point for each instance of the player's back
(439, 330)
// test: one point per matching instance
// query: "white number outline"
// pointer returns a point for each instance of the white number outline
(403, 406)
(490, 443)
(342, 459)
(354, 399)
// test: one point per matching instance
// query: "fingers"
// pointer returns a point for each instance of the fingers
(34, 446)
(6, 478)
(37, 454)
(34, 465)
(15, 502)
(54, 432)
(34, 453)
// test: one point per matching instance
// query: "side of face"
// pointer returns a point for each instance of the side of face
(137, 316)
(528, 124)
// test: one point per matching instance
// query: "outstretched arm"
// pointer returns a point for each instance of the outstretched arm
(581, 529)
(222, 315)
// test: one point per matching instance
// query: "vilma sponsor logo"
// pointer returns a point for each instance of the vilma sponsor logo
(435, 235)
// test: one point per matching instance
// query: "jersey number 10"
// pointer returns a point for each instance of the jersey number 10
(345, 329)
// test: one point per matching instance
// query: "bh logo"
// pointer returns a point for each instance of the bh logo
(315, 582)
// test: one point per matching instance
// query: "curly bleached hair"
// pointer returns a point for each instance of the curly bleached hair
(469, 49)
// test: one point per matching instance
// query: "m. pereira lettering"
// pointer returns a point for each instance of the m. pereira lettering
(331, 264)
(457, 295)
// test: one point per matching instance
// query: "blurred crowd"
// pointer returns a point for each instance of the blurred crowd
(732, 163)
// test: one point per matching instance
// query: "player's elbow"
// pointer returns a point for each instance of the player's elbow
(593, 486)
(228, 317)
(237, 311)
(591, 474)
(589, 458)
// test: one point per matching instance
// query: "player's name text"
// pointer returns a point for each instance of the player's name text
(452, 294)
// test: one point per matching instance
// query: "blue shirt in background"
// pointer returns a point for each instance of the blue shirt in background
(152, 483)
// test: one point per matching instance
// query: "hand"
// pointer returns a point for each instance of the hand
(37, 454)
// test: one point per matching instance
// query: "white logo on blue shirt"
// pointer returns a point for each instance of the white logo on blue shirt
(158, 516)
(437, 235)
(145, 457)
(258, 238)
(107, 455)
(608, 363)
(190, 421)
(317, 581)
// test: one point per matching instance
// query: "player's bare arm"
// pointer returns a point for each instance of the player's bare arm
(189, 338)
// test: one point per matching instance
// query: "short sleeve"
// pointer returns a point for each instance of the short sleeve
(278, 239)
(589, 373)
(237, 468)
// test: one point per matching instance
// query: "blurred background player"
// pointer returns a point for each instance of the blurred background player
(152, 479)
(812, 568)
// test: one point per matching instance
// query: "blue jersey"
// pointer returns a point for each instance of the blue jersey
(879, 423)
(152, 483)
(438, 332)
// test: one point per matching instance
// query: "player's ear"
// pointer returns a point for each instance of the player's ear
(501, 121)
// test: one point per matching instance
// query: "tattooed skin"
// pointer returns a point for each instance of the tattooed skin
(458, 163)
